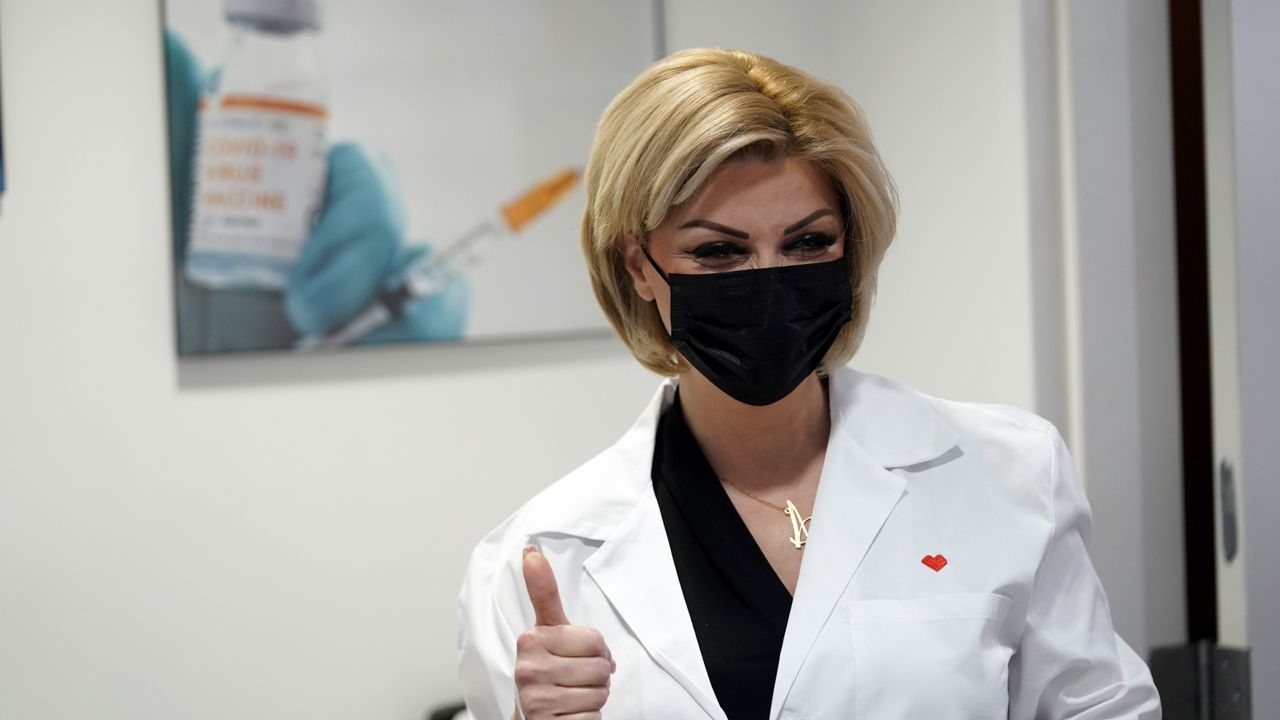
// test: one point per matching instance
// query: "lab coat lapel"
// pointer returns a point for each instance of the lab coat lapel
(876, 424)
(855, 497)
(635, 571)
(610, 499)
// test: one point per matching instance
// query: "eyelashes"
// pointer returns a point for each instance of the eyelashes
(725, 251)
(812, 241)
(718, 249)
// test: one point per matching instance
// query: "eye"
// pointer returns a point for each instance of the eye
(811, 244)
(719, 254)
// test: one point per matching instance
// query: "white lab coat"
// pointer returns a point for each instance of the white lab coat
(1014, 625)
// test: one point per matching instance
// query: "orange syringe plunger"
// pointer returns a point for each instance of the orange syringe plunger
(542, 197)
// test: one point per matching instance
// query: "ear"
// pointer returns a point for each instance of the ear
(642, 274)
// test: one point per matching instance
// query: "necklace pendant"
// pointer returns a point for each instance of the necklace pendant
(799, 526)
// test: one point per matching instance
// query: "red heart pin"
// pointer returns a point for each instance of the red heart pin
(934, 562)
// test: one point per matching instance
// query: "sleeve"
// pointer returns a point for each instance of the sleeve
(490, 595)
(1070, 662)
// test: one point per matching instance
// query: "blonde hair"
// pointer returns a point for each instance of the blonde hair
(683, 117)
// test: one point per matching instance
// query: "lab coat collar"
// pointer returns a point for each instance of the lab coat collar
(896, 425)
(893, 425)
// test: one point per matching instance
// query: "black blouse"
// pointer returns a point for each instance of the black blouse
(738, 604)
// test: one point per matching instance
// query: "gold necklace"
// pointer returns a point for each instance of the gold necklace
(799, 524)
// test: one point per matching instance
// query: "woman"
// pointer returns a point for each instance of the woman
(779, 536)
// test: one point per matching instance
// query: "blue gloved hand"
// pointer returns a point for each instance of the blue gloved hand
(355, 251)
(356, 248)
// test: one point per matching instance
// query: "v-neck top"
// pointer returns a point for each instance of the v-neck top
(738, 604)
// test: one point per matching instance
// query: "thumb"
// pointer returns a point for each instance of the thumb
(543, 592)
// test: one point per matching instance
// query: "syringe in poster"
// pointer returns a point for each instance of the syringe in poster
(437, 271)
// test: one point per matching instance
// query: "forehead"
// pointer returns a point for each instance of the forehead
(761, 191)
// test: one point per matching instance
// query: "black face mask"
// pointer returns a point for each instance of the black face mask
(757, 334)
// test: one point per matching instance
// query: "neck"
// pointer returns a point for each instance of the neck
(758, 448)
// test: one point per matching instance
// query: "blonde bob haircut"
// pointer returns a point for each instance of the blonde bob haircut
(683, 117)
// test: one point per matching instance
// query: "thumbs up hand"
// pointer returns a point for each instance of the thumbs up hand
(562, 670)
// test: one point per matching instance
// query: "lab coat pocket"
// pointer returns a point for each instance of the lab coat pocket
(933, 657)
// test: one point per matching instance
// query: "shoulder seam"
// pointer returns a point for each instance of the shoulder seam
(993, 410)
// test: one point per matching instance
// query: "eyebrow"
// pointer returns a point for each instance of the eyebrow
(808, 219)
(698, 222)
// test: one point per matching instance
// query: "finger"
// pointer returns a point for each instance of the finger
(547, 700)
(543, 591)
(607, 654)
(572, 641)
(577, 700)
(579, 671)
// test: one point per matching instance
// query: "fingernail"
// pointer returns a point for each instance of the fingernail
(528, 549)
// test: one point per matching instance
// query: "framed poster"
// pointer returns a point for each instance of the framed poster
(376, 171)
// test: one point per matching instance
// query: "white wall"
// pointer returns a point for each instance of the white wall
(1256, 104)
(1243, 173)
(1159, 398)
(1126, 394)
(282, 537)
